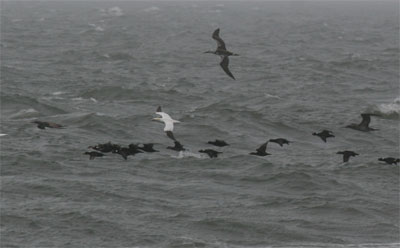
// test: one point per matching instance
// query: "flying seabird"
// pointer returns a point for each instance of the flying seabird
(261, 151)
(222, 52)
(169, 123)
(219, 143)
(93, 154)
(210, 152)
(133, 149)
(178, 147)
(106, 147)
(347, 155)
(147, 147)
(123, 151)
(363, 126)
(324, 135)
(44, 124)
(390, 160)
(280, 141)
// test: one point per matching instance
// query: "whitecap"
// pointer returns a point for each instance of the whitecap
(115, 11)
(388, 110)
(2, 134)
(93, 99)
(186, 154)
(57, 93)
(24, 113)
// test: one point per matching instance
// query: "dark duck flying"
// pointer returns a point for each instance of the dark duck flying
(44, 124)
(261, 151)
(347, 155)
(390, 160)
(147, 147)
(93, 154)
(178, 147)
(222, 52)
(210, 152)
(324, 135)
(106, 147)
(364, 125)
(219, 143)
(280, 141)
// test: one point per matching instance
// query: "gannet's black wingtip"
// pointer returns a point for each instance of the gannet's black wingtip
(159, 109)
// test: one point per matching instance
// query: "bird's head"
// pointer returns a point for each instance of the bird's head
(156, 119)
(213, 52)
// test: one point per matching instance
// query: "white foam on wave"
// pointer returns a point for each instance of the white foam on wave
(57, 93)
(115, 11)
(187, 154)
(2, 134)
(389, 109)
(24, 113)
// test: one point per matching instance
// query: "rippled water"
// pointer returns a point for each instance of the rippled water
(101, 69)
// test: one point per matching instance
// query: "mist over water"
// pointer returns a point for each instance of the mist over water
(101, 69)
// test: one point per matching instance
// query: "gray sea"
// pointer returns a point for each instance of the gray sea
(102, 68)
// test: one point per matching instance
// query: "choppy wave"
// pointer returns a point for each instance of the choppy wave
(388, 110)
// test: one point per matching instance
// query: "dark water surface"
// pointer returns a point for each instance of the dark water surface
(101, 69)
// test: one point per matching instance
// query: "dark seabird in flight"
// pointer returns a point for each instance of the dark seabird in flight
(93, 154)
(147, 147)
(222, 52)
(210, 152)
(123, 151)
(364, 125)
(133, 149)
(44, 124)
(219, 143)
(178, 147)
(168, 121)
(390, 160)
(261, 151)
(106, 147)
(347, 155)
(324, 135)
(280, 141)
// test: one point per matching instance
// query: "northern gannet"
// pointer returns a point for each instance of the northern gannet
(169, 123)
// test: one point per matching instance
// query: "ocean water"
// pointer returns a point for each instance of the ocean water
(102, 68)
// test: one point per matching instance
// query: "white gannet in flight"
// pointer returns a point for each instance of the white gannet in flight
(169, 123)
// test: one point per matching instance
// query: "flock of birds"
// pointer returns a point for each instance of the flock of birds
(221, 51)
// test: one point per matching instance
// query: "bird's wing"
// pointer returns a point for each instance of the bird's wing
(169, 125)
(346, 157)
(220, 42)
(263, 147)
(165, 116)
(366, 119)
(171, 136)
(224, 65)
